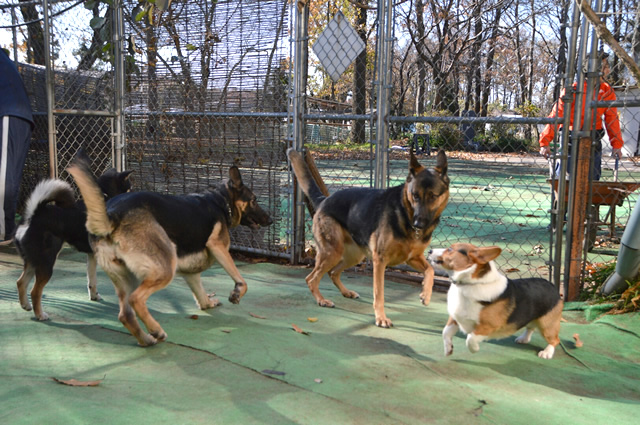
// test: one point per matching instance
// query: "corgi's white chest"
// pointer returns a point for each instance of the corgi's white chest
(464, 310)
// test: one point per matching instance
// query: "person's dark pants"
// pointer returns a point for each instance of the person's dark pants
(15, 137)
(595, 171)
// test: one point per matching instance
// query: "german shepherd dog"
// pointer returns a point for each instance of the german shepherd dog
(53, 216)
(142, 239)
(390, 226)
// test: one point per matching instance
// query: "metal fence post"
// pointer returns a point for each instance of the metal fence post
(385, 31)
(298, 106)
(53, 155)
(119, 133)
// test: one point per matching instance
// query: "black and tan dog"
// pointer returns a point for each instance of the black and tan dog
(53, 216)
(486, 305)
(141, 239)
(390, 226)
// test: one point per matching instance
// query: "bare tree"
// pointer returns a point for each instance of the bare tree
(35, 33)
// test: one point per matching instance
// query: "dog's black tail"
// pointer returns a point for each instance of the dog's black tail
(305, 179)
(98, 222)
(50, 190)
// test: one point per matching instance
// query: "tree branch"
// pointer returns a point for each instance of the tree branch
(608, 38)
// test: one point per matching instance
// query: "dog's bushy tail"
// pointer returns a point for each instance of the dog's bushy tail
(50, 190)
(98, 222)
(305, 179)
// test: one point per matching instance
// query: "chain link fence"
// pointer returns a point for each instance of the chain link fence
(202, 85)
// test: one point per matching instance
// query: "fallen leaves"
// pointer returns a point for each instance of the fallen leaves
(297, 329)
(76, 383)
(256, 316)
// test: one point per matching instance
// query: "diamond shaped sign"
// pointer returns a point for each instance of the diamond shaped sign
(338, 46)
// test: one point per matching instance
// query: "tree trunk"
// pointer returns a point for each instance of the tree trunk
(359, 95)
(35, 34)
(486, 85)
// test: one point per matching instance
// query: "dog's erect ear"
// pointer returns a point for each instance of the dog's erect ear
(484, 255)
(125, 174)
(234, 176)
(441, 163)
(414, 166)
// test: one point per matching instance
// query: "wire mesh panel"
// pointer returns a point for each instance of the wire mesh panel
(479, 83)
(207, 88)
(71, 51)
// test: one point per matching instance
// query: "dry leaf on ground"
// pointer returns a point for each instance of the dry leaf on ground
(76, 383)
(297, 329)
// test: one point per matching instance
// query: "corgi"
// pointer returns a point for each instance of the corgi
(485, 304)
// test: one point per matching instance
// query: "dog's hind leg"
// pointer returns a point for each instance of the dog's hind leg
(350, 258)
(203, 300)
(549, 326)
(138, 301)
(526, 335)
(326, 260)
(42, 278)
(422, 265)
(128, 317)
(23, 283)
(92, 278)
(330, 241)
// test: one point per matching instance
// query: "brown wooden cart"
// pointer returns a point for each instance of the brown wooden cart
(610, 194)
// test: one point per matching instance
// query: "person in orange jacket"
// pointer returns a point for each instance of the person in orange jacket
(610, 122)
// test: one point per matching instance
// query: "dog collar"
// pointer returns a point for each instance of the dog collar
(230, 213)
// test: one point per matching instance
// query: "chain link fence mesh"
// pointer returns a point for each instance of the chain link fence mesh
(207, 86)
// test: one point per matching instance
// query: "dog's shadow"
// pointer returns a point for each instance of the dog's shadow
(572, 379)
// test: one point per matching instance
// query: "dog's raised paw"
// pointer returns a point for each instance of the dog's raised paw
(448, 346)
(234, 298)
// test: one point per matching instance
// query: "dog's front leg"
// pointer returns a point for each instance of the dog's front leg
(92, 278)
(448, 333)
(378, 293)
(221, 253)
(204, 300)
(422, 265)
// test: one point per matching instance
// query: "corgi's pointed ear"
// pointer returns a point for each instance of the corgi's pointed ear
(414, 166)
(125, 174)
(441, 163)
(484, 255)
